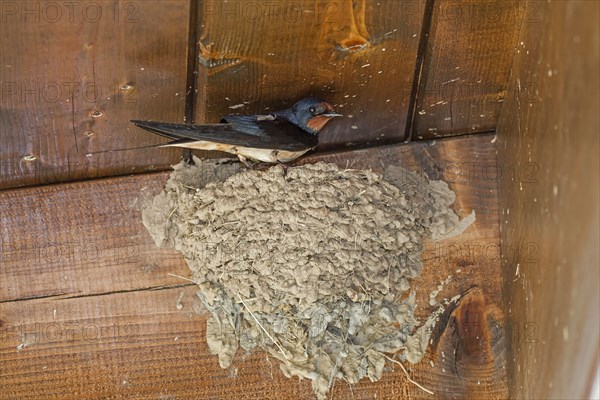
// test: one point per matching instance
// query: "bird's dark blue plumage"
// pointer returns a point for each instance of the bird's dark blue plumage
(277, 137)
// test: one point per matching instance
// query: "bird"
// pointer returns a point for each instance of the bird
(277, 137)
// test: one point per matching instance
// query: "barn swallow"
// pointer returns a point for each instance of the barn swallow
(278, 137)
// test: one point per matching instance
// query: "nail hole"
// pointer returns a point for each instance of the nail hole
(97, 114)
(126, 86)
(29, 157)
(88, 133)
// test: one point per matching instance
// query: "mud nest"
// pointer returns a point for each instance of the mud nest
(314, 266)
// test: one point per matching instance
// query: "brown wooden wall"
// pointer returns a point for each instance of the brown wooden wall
(548, 143)
(73, 75)
(83, 288)
(466, 64)
(72, 78)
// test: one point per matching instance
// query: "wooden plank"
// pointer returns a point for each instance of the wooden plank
(265, 55)
(110, 346)
(107, 294)
(81, 238)
(64, 67)
(466, 66)
(548, 145)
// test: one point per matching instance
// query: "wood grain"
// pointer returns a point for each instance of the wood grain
(119, 332)
(72, 76)
(140, 345)
(81, 238)
(472, 336)
(548, 147)
(466, 66)
(265, 55)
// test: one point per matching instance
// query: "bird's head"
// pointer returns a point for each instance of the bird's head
(310, 114)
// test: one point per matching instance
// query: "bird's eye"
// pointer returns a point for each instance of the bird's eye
(312, 110)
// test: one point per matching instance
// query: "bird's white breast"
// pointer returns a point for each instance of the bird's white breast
(264, 155)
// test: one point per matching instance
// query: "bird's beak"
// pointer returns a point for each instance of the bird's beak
(330, 111)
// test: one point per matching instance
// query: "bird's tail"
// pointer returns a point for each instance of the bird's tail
(175, 132)
(126, 149)
(164, 129)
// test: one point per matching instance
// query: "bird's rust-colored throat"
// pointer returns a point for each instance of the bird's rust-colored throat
(317, 123)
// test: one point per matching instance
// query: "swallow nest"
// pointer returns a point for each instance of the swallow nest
(315, 266)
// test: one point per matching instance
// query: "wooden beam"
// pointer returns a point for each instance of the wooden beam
(548, 148)
(466, 65)
(81, 238)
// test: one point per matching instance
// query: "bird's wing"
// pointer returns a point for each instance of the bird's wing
(263, 132)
